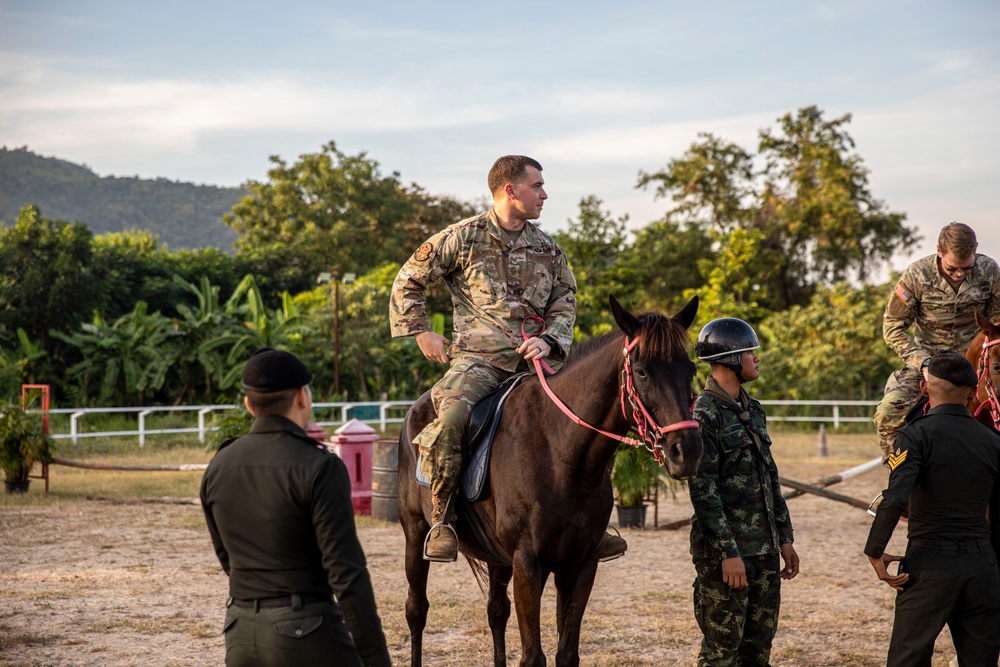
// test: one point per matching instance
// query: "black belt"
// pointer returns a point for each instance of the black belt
(965, 546)
(281, 601)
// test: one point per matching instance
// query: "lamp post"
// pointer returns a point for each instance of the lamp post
(347, 279)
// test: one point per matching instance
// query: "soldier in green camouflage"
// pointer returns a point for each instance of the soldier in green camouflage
(938, 296)
(500, 269)
(741, 527)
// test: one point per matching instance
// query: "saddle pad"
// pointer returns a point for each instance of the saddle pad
(479, 438)
(422, 479)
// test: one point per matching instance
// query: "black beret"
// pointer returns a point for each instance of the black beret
(954, 368)
(270, 370)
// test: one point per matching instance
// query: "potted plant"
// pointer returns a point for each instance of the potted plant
(634, 475)
(22, 443)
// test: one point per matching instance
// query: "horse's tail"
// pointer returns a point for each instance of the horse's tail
(481, 572)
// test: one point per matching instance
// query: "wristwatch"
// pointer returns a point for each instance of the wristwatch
(550, 340)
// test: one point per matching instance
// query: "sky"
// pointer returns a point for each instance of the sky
(206, 91)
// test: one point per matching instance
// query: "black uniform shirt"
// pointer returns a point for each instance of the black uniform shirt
(947, 466)
(278, 508)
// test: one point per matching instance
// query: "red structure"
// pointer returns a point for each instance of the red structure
(353, 443)
(44, 388)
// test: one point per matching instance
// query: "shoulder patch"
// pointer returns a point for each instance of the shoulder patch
(902, 293)
(896, 459)
(423, 252)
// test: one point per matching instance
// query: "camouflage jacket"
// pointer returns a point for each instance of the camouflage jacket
(942, 318)
(493, 288)
(738, 506)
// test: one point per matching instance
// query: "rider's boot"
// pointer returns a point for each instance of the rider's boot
(441, 544)
(611, 547)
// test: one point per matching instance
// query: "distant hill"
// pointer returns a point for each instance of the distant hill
(184, 215)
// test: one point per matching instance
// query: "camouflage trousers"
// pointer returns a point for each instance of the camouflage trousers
(738, 625)
(440, 442)
(902, 392)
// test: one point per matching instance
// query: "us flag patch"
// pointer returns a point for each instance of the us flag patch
(903, 295)
(896, 459)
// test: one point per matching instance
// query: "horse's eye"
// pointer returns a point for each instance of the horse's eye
(640, 373)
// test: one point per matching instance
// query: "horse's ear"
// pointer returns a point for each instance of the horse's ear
(988, 327)
(626, 321)
(687, 314)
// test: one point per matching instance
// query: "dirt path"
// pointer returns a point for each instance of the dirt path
(95, 583)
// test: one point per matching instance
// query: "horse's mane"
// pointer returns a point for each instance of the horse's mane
(660, 337)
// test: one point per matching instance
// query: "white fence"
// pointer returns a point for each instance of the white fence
(389, 412)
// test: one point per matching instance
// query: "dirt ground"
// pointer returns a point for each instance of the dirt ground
(101, 583)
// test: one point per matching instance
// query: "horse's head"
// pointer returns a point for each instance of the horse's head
(984, 353)
(662, 374)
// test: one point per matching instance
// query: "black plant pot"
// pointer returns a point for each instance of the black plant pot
(17, 487)
(631, 516)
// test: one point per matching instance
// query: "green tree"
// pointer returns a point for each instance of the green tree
(46, 277)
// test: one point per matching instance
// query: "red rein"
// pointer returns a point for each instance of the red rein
(649, 431)
(991, 395)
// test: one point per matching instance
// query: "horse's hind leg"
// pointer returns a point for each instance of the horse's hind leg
(416, 576)
(498, 611)
(573, 589)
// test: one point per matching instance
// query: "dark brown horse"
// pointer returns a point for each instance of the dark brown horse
(986, 404)
(550, 492)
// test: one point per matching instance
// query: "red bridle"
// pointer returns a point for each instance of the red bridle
(645, 425)
(991, 394)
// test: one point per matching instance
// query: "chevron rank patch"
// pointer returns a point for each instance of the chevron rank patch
(903, 295)
(896, 459)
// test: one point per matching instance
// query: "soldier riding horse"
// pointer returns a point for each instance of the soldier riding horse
(550, 494)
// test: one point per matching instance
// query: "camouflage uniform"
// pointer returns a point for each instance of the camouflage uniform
(739, 511)
(943, 318)
(494, 284)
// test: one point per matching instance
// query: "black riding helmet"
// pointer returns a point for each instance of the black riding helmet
(723, 341)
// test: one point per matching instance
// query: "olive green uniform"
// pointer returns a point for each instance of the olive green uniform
(278, 508)
(739, 511)
(495, 283)
(942, 317)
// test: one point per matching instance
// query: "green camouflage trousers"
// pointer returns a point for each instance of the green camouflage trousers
(902, 391)
(738, 625)
(441, 441)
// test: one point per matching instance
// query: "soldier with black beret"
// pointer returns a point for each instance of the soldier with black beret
(946, 467)
(278, 507)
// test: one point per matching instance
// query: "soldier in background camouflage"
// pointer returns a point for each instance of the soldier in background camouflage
(938, 295)
(741, 525)
(500, 269)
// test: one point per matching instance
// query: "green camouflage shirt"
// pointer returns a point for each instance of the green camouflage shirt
(494, 286)
(943, 318)
(738, 506)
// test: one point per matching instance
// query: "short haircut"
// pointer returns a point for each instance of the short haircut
(509, 169)
(272, 402)
(958, 239)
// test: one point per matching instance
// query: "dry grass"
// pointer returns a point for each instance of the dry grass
(95, 583)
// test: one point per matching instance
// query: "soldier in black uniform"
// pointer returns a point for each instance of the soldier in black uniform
(278, 507)
(946, 466)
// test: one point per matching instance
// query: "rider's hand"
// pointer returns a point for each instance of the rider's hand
(534, 348)
(734, 572)
(433, 345)
(881, 566)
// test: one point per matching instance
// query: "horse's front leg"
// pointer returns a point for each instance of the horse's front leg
(529, 582)
(573, 589)
(498, 611)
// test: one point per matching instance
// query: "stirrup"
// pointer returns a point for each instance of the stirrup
(612, 556)
(440, 524)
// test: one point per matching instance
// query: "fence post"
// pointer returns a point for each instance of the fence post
(836, 416)
(142, 427)
(824, 451)
(201, 423)
(383, 410)
(73, 426)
